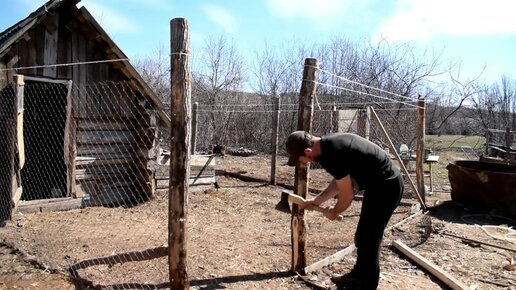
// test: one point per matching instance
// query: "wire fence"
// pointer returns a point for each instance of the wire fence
(67, 147)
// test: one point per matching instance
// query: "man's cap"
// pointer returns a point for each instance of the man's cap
(296, 144)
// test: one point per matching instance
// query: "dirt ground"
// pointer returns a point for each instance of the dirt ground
(237, 240)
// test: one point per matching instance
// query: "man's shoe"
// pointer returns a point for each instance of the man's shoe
(349, 279)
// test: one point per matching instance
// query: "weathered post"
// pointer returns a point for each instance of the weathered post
(275, 129)
(363, 123)
(334, 119)
(180, 100)
(194, 126)
(420, 148)
(508, 144)
(304, 123)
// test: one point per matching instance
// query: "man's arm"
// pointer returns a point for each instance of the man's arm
(344, 197)
(330, 191)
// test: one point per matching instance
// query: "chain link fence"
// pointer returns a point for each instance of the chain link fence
(69, 147)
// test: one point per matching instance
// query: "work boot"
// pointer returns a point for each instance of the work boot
(350, 280)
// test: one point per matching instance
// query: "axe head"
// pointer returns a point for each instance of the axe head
(283, 205)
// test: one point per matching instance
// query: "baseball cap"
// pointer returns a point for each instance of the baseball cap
(296, 144)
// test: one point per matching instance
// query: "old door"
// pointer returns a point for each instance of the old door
(45, 173)
(8, 116)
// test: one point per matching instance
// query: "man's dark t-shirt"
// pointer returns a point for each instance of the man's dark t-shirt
(345, 154)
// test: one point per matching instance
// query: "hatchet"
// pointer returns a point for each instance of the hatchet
(287, 198)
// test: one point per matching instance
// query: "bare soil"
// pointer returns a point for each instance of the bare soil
(238, 240)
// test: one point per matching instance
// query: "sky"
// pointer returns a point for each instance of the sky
(481, 34)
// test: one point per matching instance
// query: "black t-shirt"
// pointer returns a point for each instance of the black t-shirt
(345, 154)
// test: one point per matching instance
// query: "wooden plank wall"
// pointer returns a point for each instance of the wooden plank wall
(111, 134)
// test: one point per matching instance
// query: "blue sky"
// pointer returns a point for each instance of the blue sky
(477, 32)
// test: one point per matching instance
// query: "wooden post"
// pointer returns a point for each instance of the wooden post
(395, 152)
(334, 119)
(367, 129)
(180, 100)
(420, 148)
(194, 127)
(275, 129)
(304, 123)
(362, 122)
(508, 143)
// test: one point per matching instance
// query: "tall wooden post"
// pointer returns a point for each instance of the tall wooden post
(180, 100)
(275, 129)
(420, 148)
(304, 123)
(395, 153)
(508, 144)
(334, 119)
(194, 126)
(363, 122)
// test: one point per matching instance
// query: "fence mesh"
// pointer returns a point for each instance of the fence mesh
(69, 147)
(84, 146)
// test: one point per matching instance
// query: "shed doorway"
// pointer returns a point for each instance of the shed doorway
(44, 174)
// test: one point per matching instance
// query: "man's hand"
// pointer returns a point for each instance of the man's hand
(310, 204)
(331, 214)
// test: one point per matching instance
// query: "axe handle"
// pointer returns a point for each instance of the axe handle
(322, 210)
(299, 200)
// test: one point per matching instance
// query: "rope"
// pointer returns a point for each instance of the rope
(506, 237)
(368, 94)
(365, 86)
(64, 64)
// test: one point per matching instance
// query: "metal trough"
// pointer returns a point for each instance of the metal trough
(484, 185)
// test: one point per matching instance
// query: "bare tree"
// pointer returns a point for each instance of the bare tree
(218, 83)
(155, 71)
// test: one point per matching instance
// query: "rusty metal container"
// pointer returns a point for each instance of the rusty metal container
(484, 185)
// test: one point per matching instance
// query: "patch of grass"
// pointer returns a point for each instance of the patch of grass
(454, 142)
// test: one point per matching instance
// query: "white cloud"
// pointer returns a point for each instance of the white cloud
(422, 20)
(110, 19)
(221, 17)
(319, 12)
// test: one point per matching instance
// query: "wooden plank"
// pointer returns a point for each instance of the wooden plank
(84, 150)
(57, 205)
(105, 137)
(400, 162)
(164, 183)
(103, 161)
(162, 170)
(112, 124)
(84, 173)
(330, 259)
(51, 37)
(438, 272)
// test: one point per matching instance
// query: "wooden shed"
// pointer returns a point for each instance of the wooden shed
(77, 122)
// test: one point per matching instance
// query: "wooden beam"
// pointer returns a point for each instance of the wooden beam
(420, 149)
(180, 100)
(402, 165)
(438, 272)
(330, 259)
(304, 123)
(48, 205)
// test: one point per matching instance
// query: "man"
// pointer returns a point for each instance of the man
(346, 156)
